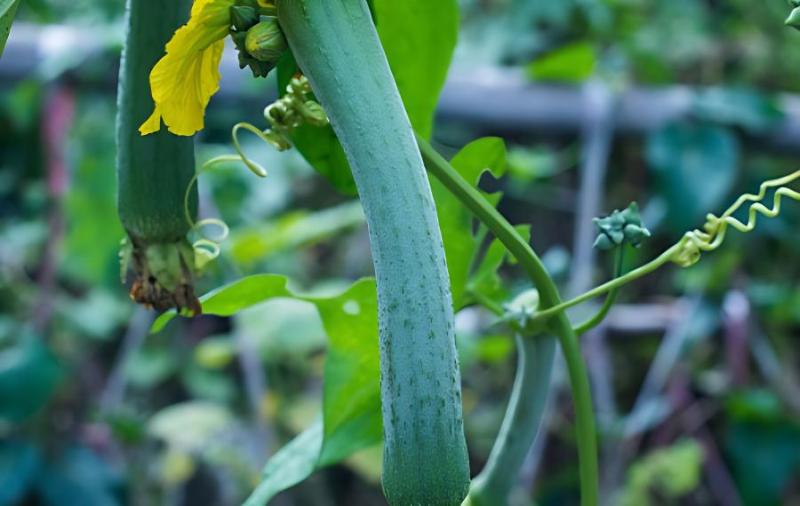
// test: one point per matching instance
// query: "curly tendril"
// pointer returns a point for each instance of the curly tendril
(289, 112)
(293, 110)
(695, 242)
(207, 246)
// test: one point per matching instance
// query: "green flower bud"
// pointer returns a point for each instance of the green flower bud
(278, 140)
(635, 234)
(603, 242)
(621, 227)
(265, 41)
(238, 40)
(314, 114)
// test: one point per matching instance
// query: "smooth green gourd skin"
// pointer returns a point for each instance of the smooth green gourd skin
(153, 171)
(337, 48)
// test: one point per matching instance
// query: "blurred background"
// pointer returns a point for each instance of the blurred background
(678, 105)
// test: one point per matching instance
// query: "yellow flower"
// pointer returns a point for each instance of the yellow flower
(185, 78)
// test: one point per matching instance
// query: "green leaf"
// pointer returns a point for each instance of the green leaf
(318, 145)
(351, 400)
(289, 466)
(572, 63)
(695, 168)
(8, 9)
(352, 403)
(455, 221)
(230, 299)
(485, 279)
(419, 37)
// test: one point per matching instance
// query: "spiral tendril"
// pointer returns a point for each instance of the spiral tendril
(289, 112)
(694, 243)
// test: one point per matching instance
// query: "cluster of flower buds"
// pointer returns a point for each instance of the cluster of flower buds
(258, 37)
(291, 111)
(794, 16)
(621, 227)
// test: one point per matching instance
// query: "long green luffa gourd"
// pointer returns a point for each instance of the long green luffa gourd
(336, 46)
(153, 171)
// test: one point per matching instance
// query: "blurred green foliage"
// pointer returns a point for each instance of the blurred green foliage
(192, 427)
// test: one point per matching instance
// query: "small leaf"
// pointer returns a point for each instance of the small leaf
(230, 299)
(289, 466)
(455, 220)
(572, 63)
(8, 9)
(485, 279)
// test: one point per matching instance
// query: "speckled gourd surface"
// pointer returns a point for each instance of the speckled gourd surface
(337, 47)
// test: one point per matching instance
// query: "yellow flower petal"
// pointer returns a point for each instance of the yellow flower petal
(185, 78)
(151, 124)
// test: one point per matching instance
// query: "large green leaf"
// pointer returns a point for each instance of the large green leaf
(351, 401)
(8, 9)
(419, 37)
(455, 220)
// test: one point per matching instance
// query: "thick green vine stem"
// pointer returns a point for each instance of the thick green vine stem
(548, 293)
(336, 46)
